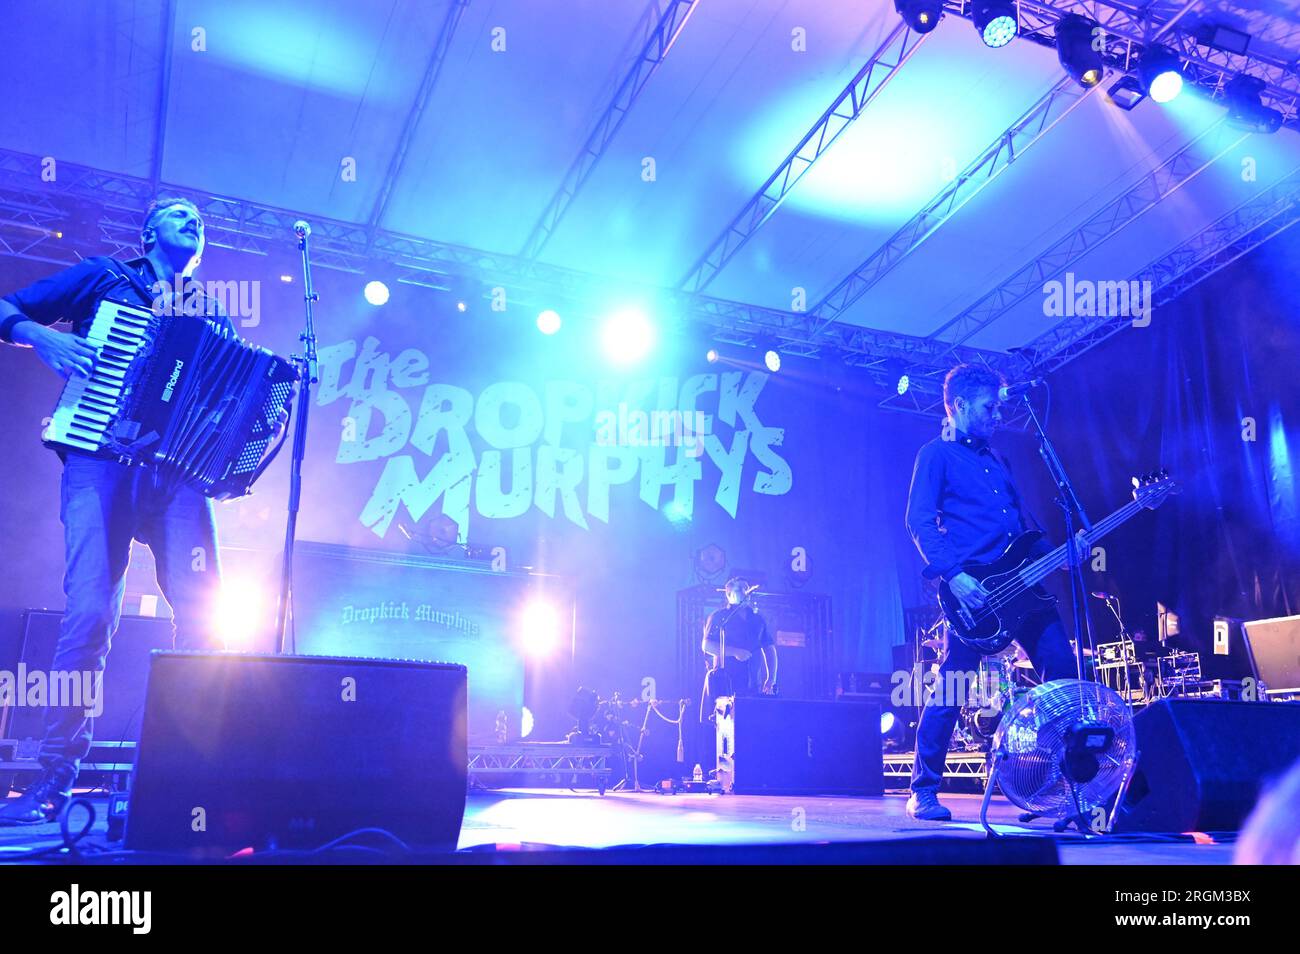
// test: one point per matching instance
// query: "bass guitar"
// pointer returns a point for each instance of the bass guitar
(1014, 580)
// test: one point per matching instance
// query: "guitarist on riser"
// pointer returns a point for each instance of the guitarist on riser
(963, 506)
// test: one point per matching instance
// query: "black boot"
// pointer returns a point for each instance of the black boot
(924, 805)
(43, 799)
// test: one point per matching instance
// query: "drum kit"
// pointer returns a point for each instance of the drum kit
(1004, 679)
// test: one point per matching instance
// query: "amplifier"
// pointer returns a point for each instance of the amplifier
(770, 746)
(125, 675)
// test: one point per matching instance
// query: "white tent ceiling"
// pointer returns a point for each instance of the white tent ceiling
(283, 92)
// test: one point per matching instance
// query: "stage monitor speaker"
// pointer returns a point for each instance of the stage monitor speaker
(294, 751)
(125, 674)
(1203, 763)
(798, 747)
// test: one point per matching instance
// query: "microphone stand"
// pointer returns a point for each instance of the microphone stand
(1070, 505)
(306, 363)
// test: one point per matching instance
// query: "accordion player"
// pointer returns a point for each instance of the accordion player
(192, 400)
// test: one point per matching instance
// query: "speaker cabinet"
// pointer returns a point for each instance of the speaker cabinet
(1203, 763)
(769, 746)
(125, 675)
(294, 751)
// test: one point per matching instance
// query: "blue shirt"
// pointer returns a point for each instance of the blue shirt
(74, 294)
(962, 504)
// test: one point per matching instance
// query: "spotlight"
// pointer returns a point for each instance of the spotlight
(711, 356)
(627, 337)
(240, 613)
(1074, 48)
(904, 382)
(460, 306)
(376, 293)
(287, 279)
(995, 21)
(920, 15)
(548, 322)
(539, 628)
(1161, 73)
(772, 359)
(1246, 109)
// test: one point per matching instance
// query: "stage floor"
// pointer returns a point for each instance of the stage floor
(548, 817)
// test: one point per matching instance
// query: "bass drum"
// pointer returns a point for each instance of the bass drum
(983, 722)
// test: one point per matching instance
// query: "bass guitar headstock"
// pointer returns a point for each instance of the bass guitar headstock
(1150, 490)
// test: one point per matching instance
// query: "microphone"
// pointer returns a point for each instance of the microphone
(1008, 391)
(301, 229)
(751, 589)
(1102, 595)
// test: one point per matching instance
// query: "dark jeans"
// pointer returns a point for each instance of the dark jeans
(1049, 649)
(105, 506)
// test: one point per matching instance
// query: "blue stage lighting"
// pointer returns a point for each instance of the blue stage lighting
(995, 21)
(1161, 73)
(627, 336)
(376, 293)
(548, 322)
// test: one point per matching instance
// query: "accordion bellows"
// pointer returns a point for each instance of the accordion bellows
(175, 392)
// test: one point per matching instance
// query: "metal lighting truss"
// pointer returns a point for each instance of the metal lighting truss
(1217, 245)
(455, 9)
(866, 84)
(1171, 175)
(1035, 123)
(33, 211)
(1131, 27)
(663, 34)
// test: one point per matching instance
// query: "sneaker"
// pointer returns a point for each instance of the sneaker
(924, 806)
(42, 801)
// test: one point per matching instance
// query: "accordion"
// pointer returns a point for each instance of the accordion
(192, 400)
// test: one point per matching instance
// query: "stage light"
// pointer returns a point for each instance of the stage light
(1223, 38)
(995, 21)
(287, 279)
(1126, 93)
(904, 382)
(1161, 73)
(893, 730)
(711, 356)
(772, 360)
(1074, 48)
(539, 628)
(1246, 109)
(548, 322)
(627, 337)
(241, 614)
(376, 293)
(920, 15)
(460, 306)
